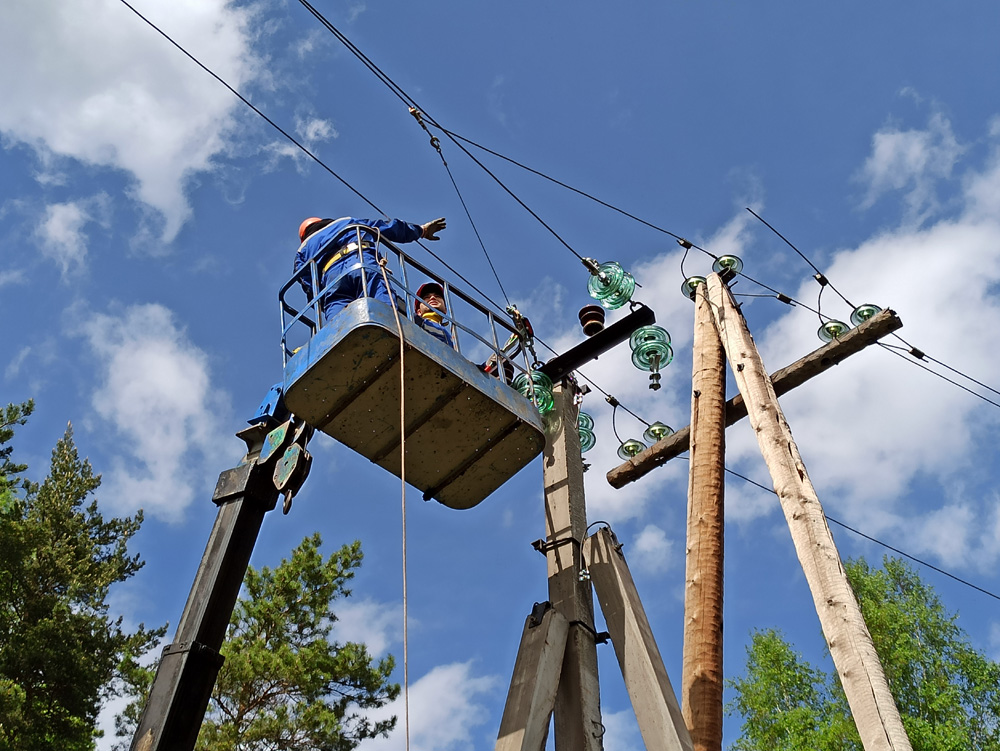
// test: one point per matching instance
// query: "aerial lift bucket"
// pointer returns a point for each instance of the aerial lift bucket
(467, 432)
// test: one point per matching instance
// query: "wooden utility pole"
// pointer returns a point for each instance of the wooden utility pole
(578, 724)
(847, 636)
(702, 676)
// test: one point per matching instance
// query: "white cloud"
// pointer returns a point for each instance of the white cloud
(911, 160)
(377, 625)
(443, 711)
(651, 550)
(310, 131)
(621, 731)
(14, 366)
(314, 130)
(98, 85)
(995, 642)
(61, 235)
(15, 276)
(166, 415)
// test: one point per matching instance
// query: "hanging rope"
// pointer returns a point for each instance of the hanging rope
(402, 480)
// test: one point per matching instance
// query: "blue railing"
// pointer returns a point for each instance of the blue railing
(488, 335)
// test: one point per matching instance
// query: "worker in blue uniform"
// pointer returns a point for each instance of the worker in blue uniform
(430, 309)
(343, 255)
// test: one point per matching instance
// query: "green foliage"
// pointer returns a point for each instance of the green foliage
(787, 704)
(59, 649)
(948, 693)
(285, 684)
(13, 414)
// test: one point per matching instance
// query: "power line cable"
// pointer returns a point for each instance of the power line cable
(893, 350)
(562, 184)
(921, 355)
(821, 278)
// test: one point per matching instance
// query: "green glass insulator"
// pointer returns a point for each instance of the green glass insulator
(728, 263)
(657, 431)
(585, 421)
(651, 348)
(645, 334)
(542, 386)
(587, 440)
(690, 284)
(832, 330)
(630, 448)
(612, 286)
(863, 312)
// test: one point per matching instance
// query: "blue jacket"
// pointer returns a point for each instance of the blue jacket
(394, 230)
(438, 330)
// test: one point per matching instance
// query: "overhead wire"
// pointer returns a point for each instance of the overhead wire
(410, 102)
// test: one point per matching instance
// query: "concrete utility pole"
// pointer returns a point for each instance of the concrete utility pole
(556, 668)
(702, 676)
(847, 636)
(578, 724)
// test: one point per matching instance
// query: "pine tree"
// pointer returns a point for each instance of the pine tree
(59, 648)
(285, 684)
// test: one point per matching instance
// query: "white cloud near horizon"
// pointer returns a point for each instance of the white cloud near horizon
(445, 709)
(155, 394)
(97, 85)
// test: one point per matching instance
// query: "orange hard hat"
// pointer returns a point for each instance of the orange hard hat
(306, 224)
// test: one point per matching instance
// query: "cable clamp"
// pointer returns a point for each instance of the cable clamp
(544, 546)
(435, 141)
(600, 637)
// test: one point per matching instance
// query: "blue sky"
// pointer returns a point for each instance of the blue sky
(147, 218)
